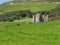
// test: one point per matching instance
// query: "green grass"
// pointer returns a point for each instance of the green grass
(47, 33)
(32, 6)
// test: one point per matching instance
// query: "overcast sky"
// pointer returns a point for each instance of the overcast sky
(2, 1)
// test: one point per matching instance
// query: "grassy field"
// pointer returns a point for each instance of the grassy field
(47, 33)
(32, 6)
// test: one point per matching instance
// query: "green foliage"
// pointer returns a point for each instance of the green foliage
(15, 15)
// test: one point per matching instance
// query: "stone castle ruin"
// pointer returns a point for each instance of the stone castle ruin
(40, 17)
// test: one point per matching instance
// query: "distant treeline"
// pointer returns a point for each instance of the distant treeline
(15, 15)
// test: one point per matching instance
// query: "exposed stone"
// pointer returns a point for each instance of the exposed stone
(37, 17)
(45, 17)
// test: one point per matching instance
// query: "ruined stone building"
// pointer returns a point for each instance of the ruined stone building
(40, 17)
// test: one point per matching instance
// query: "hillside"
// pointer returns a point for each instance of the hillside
(30, 34)
(16, 27)
(32, 6)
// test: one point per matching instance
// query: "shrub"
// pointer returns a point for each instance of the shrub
(15, 15)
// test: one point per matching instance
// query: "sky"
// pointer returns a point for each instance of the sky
(2, 1)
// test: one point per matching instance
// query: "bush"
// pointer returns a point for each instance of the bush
(15, 15)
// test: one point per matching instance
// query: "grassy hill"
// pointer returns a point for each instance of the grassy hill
(32, 6)
(47, 33)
